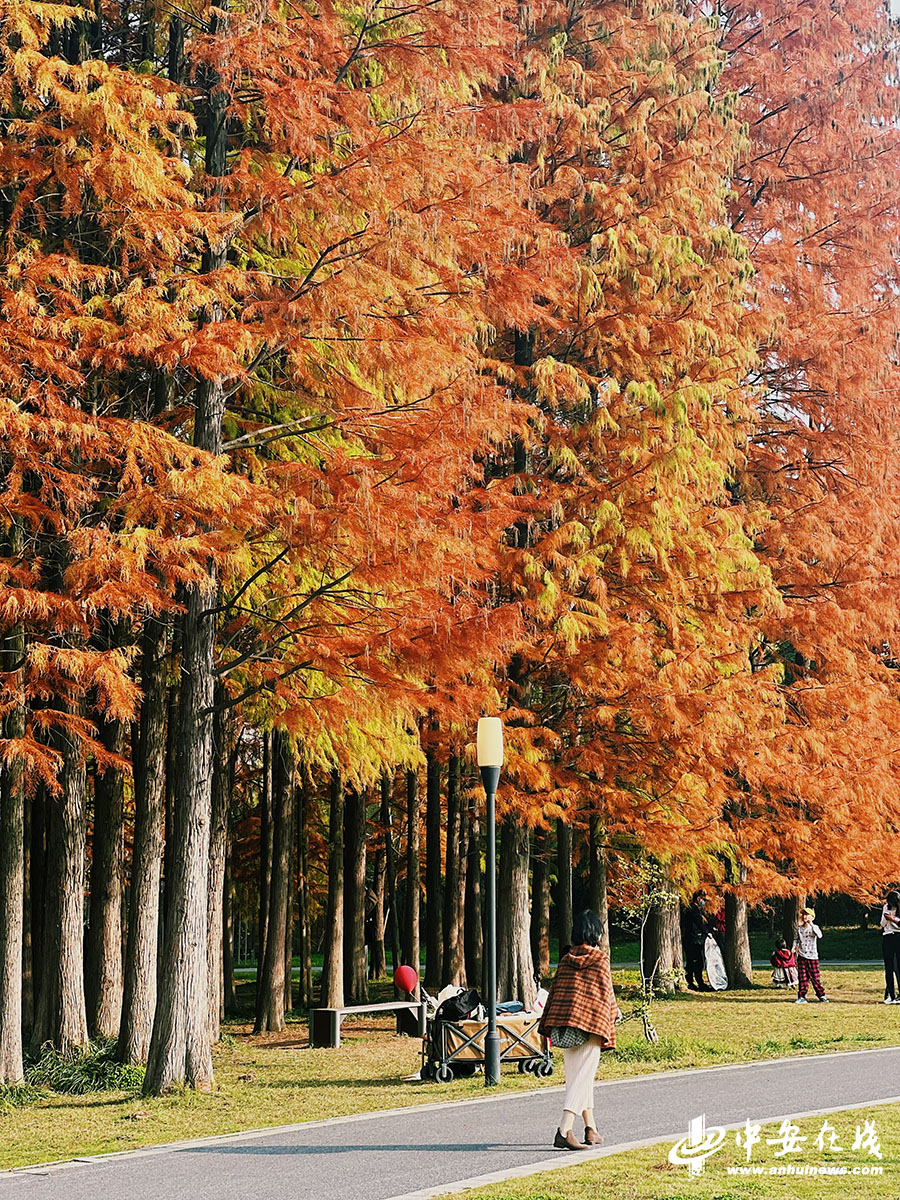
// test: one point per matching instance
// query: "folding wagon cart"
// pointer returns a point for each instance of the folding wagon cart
(457, 1047)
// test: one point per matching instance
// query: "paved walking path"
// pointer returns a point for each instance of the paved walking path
(408, 1151)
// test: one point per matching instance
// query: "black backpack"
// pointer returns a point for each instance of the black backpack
(458, 1007)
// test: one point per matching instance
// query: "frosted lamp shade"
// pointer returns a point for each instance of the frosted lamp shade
(489, 742)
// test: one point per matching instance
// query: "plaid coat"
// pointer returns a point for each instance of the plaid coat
(581, 996)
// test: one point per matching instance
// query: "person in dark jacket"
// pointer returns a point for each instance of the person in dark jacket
(693, 935)
(580, 1015)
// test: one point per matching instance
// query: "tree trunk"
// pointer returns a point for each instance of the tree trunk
(454, 966)
(540, 902)
(12, 872)
(378, 958)
(738, 963)
(180, 1050)
(291, 892)
(332, 985)
(304, 946)
(662, 943)
(266, 826)
(515, 970)
(37, 871)
(27, 926)
(103, 977)
(411, 939)
(434, 974)
(462, 854)
(270, 984)
(218, 845)
(791, 917)
(598, 900)
(393, 914)
(165, 913)
(474, 933)
(139, 998)
(564, 884)
(355, 985)
(61, 1016)
(229, 998)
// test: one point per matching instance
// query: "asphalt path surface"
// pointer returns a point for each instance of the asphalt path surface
(393, 1154)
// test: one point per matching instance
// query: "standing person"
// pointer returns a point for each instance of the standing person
(890, 945)
(580, 1016)
(806, 948)
(694, 931)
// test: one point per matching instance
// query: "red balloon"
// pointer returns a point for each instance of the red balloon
(406, 979)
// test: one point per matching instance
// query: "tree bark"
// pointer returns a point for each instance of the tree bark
(540, 902)
(434, 947)
(61, 1016)
(474, 933)
(791, 916)
(356, 989)
(515, 969)
(180, 1050)
(291, 893)
(304, 945)
(12, 873)
(332, 985)
(454, 966)
(564, 884)
(378, 957)
(139, 998)
(598, 900)
(229, 998)
(462, 856)
(411, 951)
(266, 826)
(738, 963)
(662, 943)
(37, 871)
(218, 845)
(393, 913)
(104, 977)
(270, 986)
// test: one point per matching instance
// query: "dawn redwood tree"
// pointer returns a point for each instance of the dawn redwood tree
(814, 196)
(331, 989)
(355, 975)
(12, 865)
(139, 997)
(270, 993)
(103, 960)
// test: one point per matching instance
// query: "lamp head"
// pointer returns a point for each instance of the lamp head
(489, 742)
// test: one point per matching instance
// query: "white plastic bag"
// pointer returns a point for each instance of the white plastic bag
(715, 965)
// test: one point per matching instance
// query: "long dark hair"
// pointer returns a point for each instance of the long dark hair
(587, 929)
(893, 900)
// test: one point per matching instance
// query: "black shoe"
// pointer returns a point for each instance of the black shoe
(567, 1141)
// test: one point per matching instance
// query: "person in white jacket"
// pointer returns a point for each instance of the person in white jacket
(806, 948)
(890, 944)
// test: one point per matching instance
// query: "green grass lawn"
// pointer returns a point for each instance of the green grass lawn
(648, 1175)
(276, 1079)
(845, 943)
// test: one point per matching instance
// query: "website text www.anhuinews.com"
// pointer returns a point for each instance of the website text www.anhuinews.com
(807, 1169)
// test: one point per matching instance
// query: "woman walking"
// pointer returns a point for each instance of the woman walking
(580, 1016)
(890, 944)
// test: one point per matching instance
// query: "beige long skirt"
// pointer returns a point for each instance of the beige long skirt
(581, 1067)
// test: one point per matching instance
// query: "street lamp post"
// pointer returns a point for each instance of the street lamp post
(490, 759)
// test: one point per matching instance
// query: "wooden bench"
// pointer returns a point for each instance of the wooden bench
(325, 1023)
